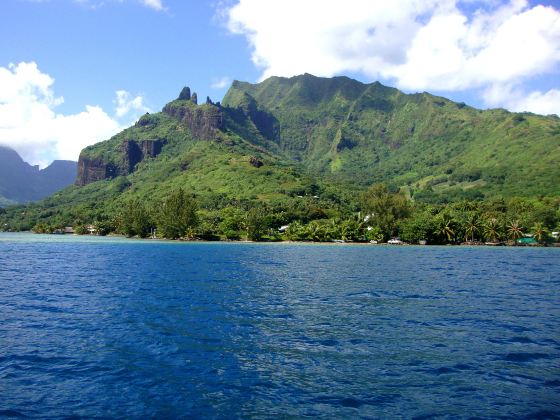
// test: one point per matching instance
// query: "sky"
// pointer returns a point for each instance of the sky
(76, 72)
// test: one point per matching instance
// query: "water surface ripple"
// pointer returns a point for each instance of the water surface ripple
(104, 327)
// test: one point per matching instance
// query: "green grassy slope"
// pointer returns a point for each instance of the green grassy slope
(365, 133)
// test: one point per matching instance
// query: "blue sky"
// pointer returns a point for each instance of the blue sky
(74, 72)
(92, 52)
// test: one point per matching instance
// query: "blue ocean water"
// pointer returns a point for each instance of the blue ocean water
(105, 327)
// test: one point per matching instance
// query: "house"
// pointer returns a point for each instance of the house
(68, 229)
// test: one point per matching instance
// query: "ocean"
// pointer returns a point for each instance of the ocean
(109, 327)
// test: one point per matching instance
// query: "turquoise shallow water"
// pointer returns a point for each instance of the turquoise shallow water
(108, 327)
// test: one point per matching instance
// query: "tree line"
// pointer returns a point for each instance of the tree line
(378, 215)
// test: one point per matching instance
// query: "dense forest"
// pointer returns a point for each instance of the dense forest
(378, 216)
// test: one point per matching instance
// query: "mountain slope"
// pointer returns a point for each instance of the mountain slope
(307, 147)
(200, 148)
(355, 132)
(189, 145)
(21, 182)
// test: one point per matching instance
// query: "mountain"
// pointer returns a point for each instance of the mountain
(310, 146)
(365, 133)
(21, 182)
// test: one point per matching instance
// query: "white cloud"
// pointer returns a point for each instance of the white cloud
(418, 44)
(154, 4)
(30, 124)
(125, 104)
(452, 53)
(327, 37)
(221, 82)
(91, 4)
(517, 100)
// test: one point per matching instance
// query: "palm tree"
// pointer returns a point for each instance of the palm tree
(445, 227)
(348, 230)
(472, 226)
(466, 205)
(332, 230)
(190, 232)
(514, 231)
(492, 229)
(316, 231)
(540, 233)
(295, 231)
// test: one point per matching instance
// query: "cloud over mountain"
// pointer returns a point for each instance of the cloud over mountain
(444, 45)
(30, 124)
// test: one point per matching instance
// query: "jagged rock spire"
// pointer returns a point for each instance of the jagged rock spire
(185, 94)
(194, 98)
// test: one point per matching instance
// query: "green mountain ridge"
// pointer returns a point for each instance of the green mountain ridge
(309, 146)
(342, 128)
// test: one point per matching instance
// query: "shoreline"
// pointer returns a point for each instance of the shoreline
(287, 242)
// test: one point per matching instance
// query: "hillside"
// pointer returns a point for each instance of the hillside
(22, 183)
(200, 148)
(346, 130)
(192, 146)
(307, 147)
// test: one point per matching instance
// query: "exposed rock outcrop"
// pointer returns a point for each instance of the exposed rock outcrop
(135, 152)
(91, 170)
(256, 162)
(203, 121)
(151, 148)
(132, 153)
(185, 94)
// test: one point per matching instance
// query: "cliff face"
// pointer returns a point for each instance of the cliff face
(91, 170)
(131, 153)
(134, 152)
(203, 121)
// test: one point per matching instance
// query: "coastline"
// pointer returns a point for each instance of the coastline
(87, 238)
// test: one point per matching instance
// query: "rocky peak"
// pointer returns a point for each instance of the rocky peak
(194, 98)
(185, 94)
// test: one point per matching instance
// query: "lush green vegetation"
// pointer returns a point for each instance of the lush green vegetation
(379, 215)
(332, 159)
(437, 150)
